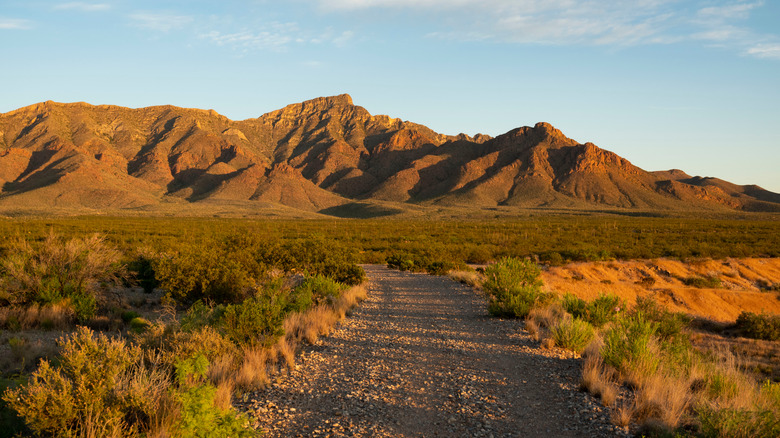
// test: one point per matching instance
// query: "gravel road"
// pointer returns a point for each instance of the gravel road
(420, 357)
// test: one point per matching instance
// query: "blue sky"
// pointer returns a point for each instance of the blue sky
(689, 84)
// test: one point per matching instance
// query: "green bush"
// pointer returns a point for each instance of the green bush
(514, 287)
(439, 268)
(314, 290)
(139, 325)
(738, 423)
(598, 312)
(79, 393)
(670, 324)
(400, 262)
(206, 272)
(572, 334)
(708, 282)
(200, 416)
(256, 321)
(628, 342)
(347, 273)
(759, 326)
(142, 270)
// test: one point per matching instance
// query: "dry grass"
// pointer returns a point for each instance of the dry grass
(599, 381)
(471, 278)
(541, 319)
(258, 364)
(623, 414)
(663, 399)
(253, 370)
(50, 316)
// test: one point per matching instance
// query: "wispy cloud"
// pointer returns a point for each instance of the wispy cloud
(250, 40)
(765, 51)
(15, 24)
(160, 21)
(585, 22)
(276, 36)
(83, 6)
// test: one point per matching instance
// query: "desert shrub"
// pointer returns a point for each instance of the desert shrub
(58, 270)
(598, 312)
(199, 315)
(81, 392)
(628, 342)
(200, 416)
(572, 334)
(347, 273)
(738, 423)
(514, 287)
(439, 268)
(574, 305)
(129, 315)
(707, 282)
(646, 281)
(759, 326)
(256, 321)
(400, 262)
(206, 272)
(139, 325)
(670, 324)
(314, 290)
(142, 270)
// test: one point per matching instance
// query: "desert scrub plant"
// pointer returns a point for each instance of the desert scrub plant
(598, 312)
(56, 271)
(706, 282)
(256, 321)
(199, 413)
(572, 334)
(205, 272)
(629, 344)
(439, 268)
(80, 394)
(313, 291)
(514, 287)
(759, 326)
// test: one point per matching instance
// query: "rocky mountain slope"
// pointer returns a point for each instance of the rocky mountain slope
(316, 156)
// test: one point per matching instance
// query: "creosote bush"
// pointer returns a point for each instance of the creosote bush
(598, 312)
(759, 326)
(572, 334)
(514, 287)
(57, 271)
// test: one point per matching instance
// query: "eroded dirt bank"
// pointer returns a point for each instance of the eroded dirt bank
(741, 284)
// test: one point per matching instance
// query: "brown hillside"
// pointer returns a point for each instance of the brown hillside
(318, 155)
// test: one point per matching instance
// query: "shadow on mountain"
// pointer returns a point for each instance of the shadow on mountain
(359, 210)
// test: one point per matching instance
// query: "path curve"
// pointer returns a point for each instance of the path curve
(421, 357)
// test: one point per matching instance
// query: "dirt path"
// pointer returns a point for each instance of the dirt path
(421, 357)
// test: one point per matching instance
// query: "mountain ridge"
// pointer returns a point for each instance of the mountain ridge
(321, 154)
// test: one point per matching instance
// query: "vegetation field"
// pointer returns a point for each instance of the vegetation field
(552, 239)
(176, 315)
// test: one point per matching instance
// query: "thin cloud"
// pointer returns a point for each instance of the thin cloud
(276, 36)
(250, 40)
(583, 22)
(770, 51)
(83, 7)
(161, 22)
(15, 24)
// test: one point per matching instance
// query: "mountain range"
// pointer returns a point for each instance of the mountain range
(324, 155)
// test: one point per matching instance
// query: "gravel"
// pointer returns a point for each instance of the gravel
(421, 357)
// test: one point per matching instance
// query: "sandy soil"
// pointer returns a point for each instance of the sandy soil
(741, 281)
(421, 357)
